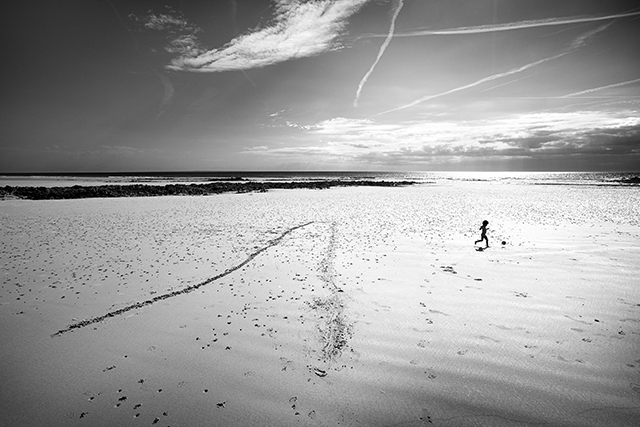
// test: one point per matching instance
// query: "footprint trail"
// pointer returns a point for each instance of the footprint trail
(186, 290)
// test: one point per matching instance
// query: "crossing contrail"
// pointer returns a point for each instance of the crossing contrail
(575, 44)
(399, 5)
(514, 25)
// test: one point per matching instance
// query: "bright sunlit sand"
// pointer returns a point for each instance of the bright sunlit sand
(351, 306)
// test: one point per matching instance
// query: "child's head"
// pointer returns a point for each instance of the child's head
(485, 222)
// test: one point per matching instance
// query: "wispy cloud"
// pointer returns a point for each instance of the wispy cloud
(514, 25)
(180, 34)
(575, 44)
(161, 22)
(383, 47)
(298, 29)
(611, 86)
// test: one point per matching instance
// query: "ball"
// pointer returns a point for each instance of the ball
(504, 243)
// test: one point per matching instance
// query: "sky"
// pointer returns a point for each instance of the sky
(351, 85)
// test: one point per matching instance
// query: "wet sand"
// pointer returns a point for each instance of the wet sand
(348, 306)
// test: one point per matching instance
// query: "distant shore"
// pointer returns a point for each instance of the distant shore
(145, 190)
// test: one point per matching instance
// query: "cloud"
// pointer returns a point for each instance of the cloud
(514, 25)
(299, 29)
(181, 35)
(531, 136)
(575, 44)
(342, 125)
(611, 86)
(172, 22)
(383, 47)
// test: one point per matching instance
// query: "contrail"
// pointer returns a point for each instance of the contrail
(513, 25)
(234, 19)
(380, 52)
(582, 39)
(135, 41)
(584, 92)
(476, 83)
(575, 44)
(507, 83)
(167, 96)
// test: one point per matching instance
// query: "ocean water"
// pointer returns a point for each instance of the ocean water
(99, 178)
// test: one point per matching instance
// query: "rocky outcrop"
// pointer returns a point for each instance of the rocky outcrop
(140, 190)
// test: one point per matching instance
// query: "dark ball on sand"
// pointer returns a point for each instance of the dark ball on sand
(504, 243)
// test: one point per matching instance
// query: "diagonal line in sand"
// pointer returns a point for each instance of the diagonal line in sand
(186, 290)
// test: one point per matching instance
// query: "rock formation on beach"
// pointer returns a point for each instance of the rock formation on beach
(632, 180)
(141, 190)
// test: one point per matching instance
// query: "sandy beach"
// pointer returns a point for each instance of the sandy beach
(348, 306)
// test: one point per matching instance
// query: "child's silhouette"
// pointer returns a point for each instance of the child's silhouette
(483, 234)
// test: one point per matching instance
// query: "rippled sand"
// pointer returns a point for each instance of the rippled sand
(354, 306)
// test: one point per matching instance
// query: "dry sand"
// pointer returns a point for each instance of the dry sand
(353, 306)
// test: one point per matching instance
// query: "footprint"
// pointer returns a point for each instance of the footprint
(426, 416)
(486, 338)
(439, 312)
(577, 320)
(506, 328)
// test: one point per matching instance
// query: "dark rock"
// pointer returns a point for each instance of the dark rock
(140, 190)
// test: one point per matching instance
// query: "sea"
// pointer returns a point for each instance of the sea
(167, 177)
